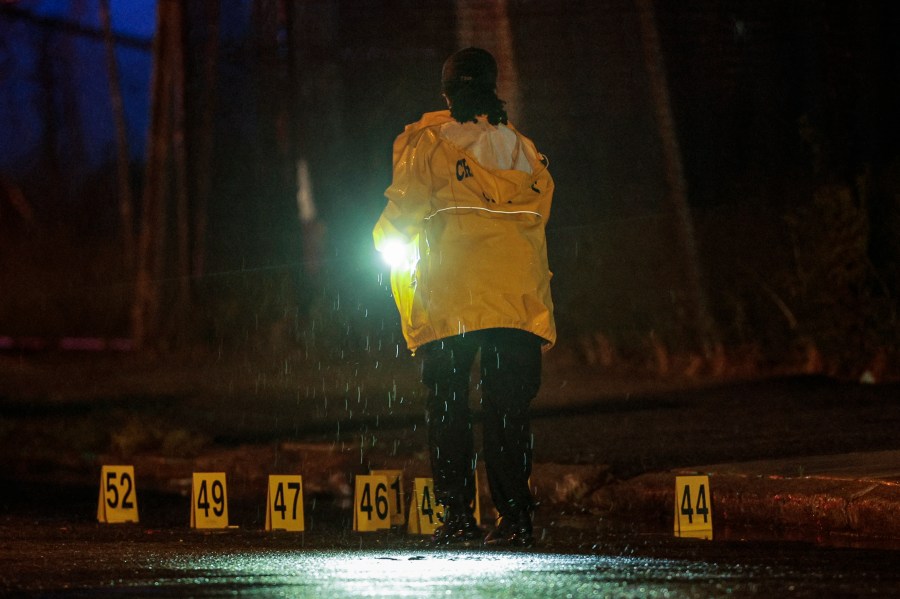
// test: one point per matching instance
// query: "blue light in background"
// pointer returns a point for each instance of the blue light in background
(78, 76)
(129, 17)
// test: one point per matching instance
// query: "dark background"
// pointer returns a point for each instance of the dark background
(785, 116)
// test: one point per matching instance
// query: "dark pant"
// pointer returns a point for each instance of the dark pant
(510, 378)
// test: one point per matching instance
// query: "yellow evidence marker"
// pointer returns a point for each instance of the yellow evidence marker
(284, 503)
(693, 507)
(118, 495)
(371, 508)
(209, 500)
(425, 513)
(397, 495)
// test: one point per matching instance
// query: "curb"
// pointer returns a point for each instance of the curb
(807, 505)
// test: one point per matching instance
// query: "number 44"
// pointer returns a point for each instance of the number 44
(701, 510)
(693, 508)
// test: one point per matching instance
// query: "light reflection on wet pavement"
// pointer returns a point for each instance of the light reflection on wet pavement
(382, 574)
(55, 558)
(463, 573)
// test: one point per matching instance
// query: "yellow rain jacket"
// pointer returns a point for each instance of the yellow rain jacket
(476, 249)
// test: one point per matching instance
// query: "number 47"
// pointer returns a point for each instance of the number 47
(280, 505)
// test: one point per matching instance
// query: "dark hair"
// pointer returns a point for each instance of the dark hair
(468, 101)
(469, 80)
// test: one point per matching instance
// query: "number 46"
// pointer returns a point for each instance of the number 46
(381, 503)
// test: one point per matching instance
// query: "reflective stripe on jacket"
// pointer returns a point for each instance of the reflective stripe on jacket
(478, 253)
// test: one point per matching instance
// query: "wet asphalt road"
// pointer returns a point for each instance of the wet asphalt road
(51, 547)
(87, 560)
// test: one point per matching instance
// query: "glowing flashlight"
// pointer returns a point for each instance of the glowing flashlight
(398, 254)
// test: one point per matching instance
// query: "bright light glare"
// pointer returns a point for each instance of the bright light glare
(397, 253)
(401, 573)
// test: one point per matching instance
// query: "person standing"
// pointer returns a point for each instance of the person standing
(465, 223)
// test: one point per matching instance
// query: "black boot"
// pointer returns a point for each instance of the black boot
(459, 527)
(512, 531)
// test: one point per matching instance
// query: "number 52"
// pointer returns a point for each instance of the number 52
(112, 490)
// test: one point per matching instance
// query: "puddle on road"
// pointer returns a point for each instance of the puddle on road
(391, 574)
